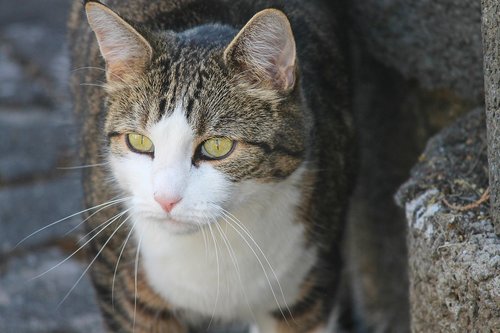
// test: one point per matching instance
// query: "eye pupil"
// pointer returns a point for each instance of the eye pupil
(217, 148)
(139, 143)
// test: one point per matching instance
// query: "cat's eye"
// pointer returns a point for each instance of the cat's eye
(217, 148)
(139, 143)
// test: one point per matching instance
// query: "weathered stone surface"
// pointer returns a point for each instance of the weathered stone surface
(50, 68)
(32, 304)
(36, 137)
(426, 71)
(454, 254)
(32, 35)
(27, 208)
(34, 143)
(491, 42)
(436, 42)
(50, 13)
(14, 79)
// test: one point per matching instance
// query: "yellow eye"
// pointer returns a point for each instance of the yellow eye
(217, 148)
(139, 143)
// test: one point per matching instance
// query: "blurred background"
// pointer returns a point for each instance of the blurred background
(37, 145)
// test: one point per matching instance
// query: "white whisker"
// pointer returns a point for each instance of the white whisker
(93, 260)
(234, 259)
(137, 253)
(118, 262)
(91, 215)
(106, 224)
(76, 167)
(218, 276)
(239, 224)
(204, 241)
(87, 67)
(228, 218)
(93, 85)
(68, 217)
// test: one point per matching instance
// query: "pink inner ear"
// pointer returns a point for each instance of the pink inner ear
(288, 75)
(286, 66)
(122, 60)
(126, 52)
(265, 50)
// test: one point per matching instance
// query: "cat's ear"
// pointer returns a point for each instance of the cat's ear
(125, 51)
(264, 51)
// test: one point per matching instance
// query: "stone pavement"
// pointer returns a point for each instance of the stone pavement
(37, 141)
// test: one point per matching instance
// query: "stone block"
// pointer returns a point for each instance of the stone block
(34, 143)
(27, 208)
(31, 304)
(453, 250)
(437, 43)
(33, 34)
(14, 80)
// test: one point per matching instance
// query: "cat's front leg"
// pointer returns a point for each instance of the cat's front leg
(276, 328)
(269, 324)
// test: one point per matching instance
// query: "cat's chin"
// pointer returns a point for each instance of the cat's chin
(177, 226)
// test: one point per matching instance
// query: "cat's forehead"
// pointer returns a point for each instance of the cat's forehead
(193, 81)
(189, 76)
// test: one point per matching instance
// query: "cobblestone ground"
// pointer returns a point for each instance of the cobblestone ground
(37, 142)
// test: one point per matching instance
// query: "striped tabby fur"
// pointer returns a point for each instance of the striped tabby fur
(190, 64)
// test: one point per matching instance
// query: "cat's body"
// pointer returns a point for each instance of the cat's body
(252, 236)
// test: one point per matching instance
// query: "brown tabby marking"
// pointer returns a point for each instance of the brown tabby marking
(319, 132)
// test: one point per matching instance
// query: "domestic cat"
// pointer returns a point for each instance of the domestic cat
(221, 138)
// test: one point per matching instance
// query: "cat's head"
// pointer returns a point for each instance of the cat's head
(200, 120)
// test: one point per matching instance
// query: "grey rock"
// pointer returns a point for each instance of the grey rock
(436, 42)
(491, 42)
(34, 143)
(14, 80)
(32, 304)
(52, 13)
(34, 33)
(47, 66)
(453, 249)
(27, 208)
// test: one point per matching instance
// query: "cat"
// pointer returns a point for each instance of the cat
(222, 146)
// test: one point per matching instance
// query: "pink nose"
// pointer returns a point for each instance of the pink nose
(167, 203)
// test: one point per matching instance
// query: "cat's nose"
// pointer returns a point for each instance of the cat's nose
(167, 203)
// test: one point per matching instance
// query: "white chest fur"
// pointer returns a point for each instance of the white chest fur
(239, 269)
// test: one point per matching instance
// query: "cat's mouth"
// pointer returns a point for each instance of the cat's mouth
(179, 225)
(177, 222)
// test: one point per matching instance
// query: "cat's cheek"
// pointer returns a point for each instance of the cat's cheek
(132, 173)
(209, 190)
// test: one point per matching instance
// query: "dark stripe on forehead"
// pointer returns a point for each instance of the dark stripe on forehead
(161, 107)
(276, 149)
(175, 81)
(189, 107)
(175, 67)
(194, 94)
